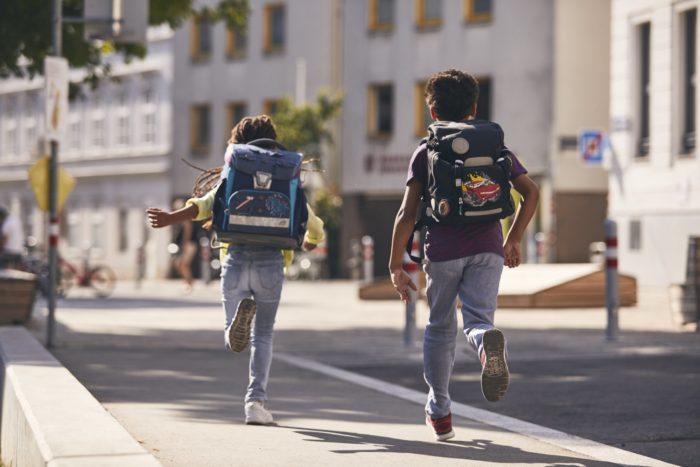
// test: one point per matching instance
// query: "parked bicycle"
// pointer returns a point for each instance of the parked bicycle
(101, 278)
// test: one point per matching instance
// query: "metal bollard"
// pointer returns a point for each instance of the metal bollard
(368, 258)
(612, 300)
(412, 269)
(140, 265)
(205, 255)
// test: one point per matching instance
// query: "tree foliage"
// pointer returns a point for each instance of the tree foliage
(304, 128)
(26, 32)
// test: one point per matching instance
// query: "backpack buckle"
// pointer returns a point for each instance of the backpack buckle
(262, 180)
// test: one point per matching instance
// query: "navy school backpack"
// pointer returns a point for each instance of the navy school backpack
(260, 200)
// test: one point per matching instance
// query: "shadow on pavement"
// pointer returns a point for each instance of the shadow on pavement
(131, 303)
(481, 450)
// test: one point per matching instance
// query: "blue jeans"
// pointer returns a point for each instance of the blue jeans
(258, 273)
(475, 280)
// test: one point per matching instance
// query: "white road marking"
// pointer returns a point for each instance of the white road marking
(592, 449)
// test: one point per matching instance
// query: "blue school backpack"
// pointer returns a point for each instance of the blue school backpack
(260, 200)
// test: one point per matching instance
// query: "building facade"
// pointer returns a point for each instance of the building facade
(117, 146)
(654, 188)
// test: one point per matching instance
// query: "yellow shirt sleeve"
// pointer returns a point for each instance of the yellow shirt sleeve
(314, 228)
(205, 204)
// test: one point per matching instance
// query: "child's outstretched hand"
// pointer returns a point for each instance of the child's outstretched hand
(158, 218)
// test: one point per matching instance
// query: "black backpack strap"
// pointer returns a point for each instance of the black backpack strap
(267, 142)
(409, 245)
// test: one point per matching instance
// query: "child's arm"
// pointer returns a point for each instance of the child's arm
(531, 193)
(314, 231)
(403, 229)
(159, 218)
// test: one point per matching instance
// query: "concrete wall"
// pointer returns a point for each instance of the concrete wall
(661, 191)
(50, 419)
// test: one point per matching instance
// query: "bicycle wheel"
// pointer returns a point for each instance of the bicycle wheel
(103, 280)
(65, 281)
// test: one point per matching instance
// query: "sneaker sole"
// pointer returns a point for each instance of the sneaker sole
(440, 437)
(494, 375)
(239, 331)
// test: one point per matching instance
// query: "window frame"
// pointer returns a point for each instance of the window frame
(231, 112)
(268, 47)
(642, 74)
(373, 131)
(687, 113)
(373, 17)
(420, 109)
(270, 106)
(471, 17)
(234, 50)
(198, 147)
(427, 23)
(196, 52)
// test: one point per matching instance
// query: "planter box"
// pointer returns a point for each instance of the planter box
(17, 295)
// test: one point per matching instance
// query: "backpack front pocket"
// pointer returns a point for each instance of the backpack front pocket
(259, 209)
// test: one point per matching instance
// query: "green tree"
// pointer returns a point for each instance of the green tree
(304, 128)
(26, 32)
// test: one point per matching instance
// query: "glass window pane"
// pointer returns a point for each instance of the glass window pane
(432, 10)
(385, 11)
(277, 27)
(481, 7)
(385, 104)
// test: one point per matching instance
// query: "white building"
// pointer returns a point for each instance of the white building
(223, 75)
(654, 186)
(117, 146)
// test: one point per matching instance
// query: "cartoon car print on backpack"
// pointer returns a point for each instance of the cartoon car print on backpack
(478, 189)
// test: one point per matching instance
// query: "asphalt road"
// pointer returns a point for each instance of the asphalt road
(648, 404)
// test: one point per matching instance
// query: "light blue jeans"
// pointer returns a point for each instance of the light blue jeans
(475, 280)
(256, 273)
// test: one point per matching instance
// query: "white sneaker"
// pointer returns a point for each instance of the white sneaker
(257, 414)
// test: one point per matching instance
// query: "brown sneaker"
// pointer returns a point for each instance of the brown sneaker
(238, 332)
(442, 427)
(494, 369)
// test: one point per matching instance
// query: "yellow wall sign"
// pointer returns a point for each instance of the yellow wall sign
(39, 180)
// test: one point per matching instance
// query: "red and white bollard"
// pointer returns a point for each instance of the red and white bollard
(368, 258)
(412, 268)
(612, 300)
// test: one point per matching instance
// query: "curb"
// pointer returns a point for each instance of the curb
(49, 419)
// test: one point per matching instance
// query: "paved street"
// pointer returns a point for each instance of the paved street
(154, 358)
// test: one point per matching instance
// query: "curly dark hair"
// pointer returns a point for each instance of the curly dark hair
(252, 128)
(452, 94)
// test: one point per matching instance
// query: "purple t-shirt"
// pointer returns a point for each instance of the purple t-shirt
(446, 242)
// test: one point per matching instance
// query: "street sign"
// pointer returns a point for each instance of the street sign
(591, 147)
(38, 176)
(55, 97)
(123, 21)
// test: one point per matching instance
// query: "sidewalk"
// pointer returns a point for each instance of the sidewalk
(154, 358)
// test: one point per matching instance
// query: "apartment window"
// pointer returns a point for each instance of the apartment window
(428, 13)
(381, 110)
(644, 35)
(200, 39)
(97, 122)
(123, 120)
(422, 112)
(123, 229)
(635, 235)
(689, 22)
(236, 112)
(30, 122)
(483, 105)
(75, 132)
(271, 106)
(478, 11)
(274, 28)
(10, 126)
(381, 15)
(98, 231)
(236, 42)
(149, 111)
(200, 129)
